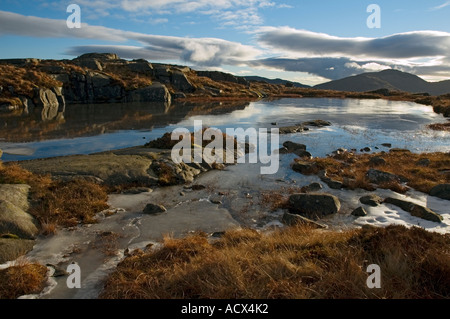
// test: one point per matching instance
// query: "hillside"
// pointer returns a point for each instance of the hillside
(393, 80)
(277, 81)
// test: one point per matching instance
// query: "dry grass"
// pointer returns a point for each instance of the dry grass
(278, 199)
(24, 80)
(440, 126)
(296, 262)
(57, 202)
(22, 280)
(351, 169)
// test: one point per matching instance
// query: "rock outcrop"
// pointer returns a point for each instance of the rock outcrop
(223, 77)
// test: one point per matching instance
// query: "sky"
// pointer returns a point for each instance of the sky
(305, 41)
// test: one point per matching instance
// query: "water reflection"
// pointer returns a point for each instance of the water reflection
(84, 129)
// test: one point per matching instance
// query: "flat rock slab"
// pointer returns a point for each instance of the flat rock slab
(109, 168)
(441, 191)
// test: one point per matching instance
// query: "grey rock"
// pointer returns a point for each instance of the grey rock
(425, 162)
(157, 92)
(314, 205)
(313, 187)
(415, 210)
(376, 176)
(388, 145)
(441, 191)
(295, 219)
(317, 123)
(303, 167)
(14, 220)
(152, 209)
(11, 249)
(359, 212)
(371, 200)
(291, 129)
(181, 83)
(291, 146)
(141, 67)
(377, 161)
(16, 194)
(302, 154)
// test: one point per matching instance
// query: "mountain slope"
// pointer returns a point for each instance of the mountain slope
(275, 81)
(387, 79)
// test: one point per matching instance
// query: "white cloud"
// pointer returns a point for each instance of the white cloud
(442, 6)
(201, 51)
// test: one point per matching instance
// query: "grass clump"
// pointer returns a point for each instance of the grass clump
(22, 280)
(297, 262)
(56, 202)
(351, 169)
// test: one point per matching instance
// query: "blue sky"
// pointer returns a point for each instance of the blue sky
(306, 41)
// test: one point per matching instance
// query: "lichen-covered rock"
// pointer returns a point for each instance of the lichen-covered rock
(14, 220)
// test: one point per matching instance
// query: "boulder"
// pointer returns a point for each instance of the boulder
(291, 146)
(377, 161)
(152, 209)
(317, 123)
(415, 210)
(304, 167)
(302, 154)
(313, 187)
(45, 98)
(295, 219)
(376, 176)
(141, 66)
(371, 200)
(333, 184)
(314, 205)
(441, 191)
(359, 212)
(11, 249)
(291, 129)
(14, 220)
(16, 194)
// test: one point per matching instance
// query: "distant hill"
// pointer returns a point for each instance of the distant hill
(274, 81)
(388, 79)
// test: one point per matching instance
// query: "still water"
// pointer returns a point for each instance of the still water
(84, 129)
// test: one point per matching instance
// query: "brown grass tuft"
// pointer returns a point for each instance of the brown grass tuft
(22, 280)
(297, 262)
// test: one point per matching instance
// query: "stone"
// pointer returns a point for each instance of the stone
(302, 154)
(314, 205)
(198, 187)
(13, 220)
(180, 82)
(415, 209)
(291, 129)
(377, 161)
(304, 167)
(441, 191)
(425, 162)
(388, 145)
(359, 212)
(313, 187)
(317, 123)
(295, 219)
(291, 146)
(371, 200)
(11, 249)
(376, 176)
(16, 194)
(152, 209)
